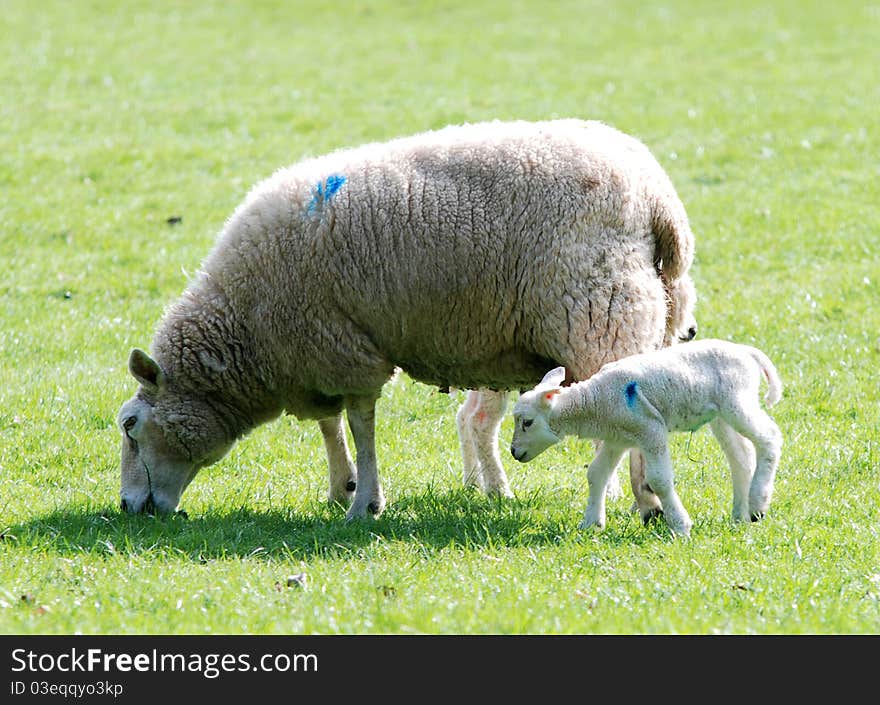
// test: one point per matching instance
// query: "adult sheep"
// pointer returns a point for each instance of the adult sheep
(473, 256)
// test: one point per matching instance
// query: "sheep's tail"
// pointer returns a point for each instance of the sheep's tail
(774, 384)
(674, 241)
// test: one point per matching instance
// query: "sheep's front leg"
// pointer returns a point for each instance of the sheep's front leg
(598, 475)
(485, 425)
(646, 501)
(368, 497)
(342, 471)
(659, 474)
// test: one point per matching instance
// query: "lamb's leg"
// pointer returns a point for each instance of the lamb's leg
(612, 489)
(485, 425)
(464, 421)
(755, 424)
(646, 501)
(368, 497)
(659, 474)
(342, 471)
(598, 474)
(740, 454)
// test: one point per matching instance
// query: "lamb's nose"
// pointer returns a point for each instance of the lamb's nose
(516, 456)
(691, 333)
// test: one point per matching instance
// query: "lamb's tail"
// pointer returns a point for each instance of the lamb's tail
(673, 239)
(774, 384)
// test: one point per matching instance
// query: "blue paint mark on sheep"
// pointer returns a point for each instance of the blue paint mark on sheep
(323, 192)
(631, 390)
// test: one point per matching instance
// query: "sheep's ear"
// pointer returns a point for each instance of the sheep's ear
(553, 378)
(548, 396)
(145, 370)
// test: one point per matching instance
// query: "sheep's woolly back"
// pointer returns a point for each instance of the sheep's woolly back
(472, 256)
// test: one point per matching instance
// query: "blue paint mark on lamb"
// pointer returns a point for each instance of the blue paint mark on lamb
(631, 390)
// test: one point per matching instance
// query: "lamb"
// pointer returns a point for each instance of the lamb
(474, 256)
(479, 416)
(639, 400)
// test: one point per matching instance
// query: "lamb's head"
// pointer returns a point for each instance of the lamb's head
(681, 300)
(167, 436)
(532, 434)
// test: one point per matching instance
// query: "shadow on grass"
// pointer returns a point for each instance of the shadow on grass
(459, 517)
(431, 520)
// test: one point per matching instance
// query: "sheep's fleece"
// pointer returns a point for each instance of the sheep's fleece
(474, 256)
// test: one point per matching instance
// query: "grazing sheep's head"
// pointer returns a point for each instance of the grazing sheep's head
(532, 434)
(167, 437)
(681, 299)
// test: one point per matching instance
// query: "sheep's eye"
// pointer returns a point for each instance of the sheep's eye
(129, 423)
(527, 423)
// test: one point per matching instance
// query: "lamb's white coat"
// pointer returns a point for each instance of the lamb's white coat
(637, 401)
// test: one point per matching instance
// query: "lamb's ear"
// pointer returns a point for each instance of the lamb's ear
(145, 370)
(548, 396)
(553, 378)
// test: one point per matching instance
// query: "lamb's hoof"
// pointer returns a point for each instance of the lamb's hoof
(757, 516)
(652, 514)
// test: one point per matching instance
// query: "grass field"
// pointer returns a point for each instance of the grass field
(117, 116)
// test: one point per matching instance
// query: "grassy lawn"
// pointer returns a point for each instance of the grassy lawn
(118, 116)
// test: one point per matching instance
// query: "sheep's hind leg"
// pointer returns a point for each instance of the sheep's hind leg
(740, 454)
(485, 425)
(342, 470)
(646, 501)
(464, 422)
(368, 496)
(598, 474)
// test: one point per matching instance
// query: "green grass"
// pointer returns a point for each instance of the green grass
(118, 116)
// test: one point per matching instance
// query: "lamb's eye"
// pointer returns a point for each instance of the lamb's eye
(527, 423)
(129, 423)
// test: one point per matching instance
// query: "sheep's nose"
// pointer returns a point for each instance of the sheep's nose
(691, 333)
(516, 456)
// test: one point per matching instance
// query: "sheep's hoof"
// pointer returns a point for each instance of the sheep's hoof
(342, 498)
(757, 516)
(584, 525)
(651, 514)
(351, 517)
(500, 492)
